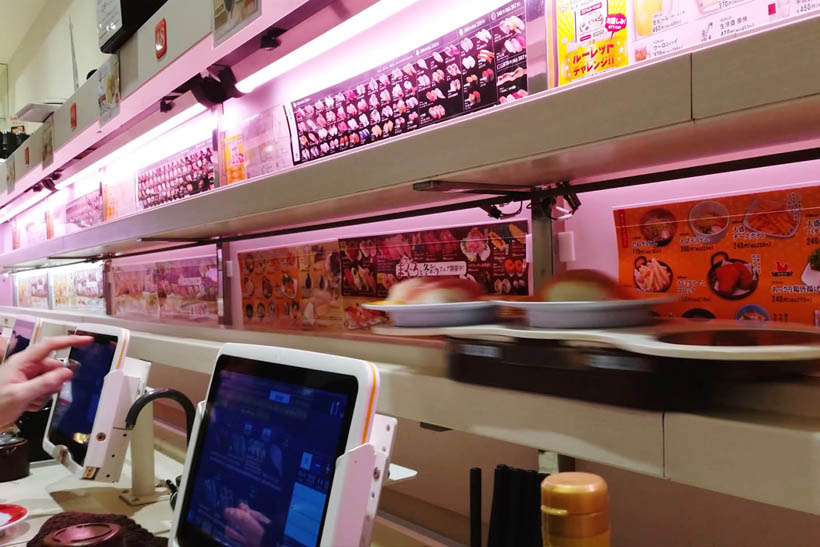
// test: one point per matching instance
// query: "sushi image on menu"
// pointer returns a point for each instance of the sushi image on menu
(510, 38)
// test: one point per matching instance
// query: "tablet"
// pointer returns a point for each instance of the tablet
(74, 422)
(263, 463)
(23, 333)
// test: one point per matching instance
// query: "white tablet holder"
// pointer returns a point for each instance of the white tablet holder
(145, 487)
(355, 492)
(110, 436)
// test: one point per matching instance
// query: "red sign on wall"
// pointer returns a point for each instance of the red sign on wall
(27, 156)
(161, 38)
(73, 116)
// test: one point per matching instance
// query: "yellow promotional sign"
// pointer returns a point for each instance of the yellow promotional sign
(592, 37)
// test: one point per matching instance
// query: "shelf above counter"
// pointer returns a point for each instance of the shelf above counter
(667, 116)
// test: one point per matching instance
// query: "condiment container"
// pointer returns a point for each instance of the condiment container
(575, 511)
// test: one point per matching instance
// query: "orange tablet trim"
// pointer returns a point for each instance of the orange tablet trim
(368, 416)
(124, 346)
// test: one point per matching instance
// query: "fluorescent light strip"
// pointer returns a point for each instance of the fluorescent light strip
(194, 110)
(187, 114)
(342, 32)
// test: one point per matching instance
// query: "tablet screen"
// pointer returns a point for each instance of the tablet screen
(265, 455)
(77, 402)
(20, 336)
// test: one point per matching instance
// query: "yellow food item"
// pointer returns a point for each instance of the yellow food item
(645, 10)
(518, 234)
(653, 276)
(498, 243)
(582, 286)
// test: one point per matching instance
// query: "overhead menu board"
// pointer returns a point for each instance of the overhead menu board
(481, 64)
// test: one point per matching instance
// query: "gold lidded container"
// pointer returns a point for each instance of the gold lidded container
(575, 510)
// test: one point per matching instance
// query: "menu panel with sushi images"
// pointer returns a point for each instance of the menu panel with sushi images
(134, 291)
(481, 64)
(188, 290)
(493, 255)
(747, 257)
(32, 290)
(296, 287)
(79, 289)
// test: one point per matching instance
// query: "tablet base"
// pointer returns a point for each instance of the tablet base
(145, 488)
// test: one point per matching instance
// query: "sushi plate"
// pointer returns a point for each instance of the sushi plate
(11, 515)
(588, 315)
(437, 315)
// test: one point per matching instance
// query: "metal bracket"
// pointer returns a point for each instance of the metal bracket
(544, 196)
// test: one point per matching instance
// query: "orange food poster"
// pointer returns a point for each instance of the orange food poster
(747, 257)
(292, 287)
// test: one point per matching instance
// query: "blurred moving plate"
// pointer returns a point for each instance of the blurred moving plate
(756, 345)
(448, 314)
(11, 515)
(601, 314)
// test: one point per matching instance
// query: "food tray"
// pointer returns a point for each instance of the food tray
(751, 210)
(437, 315)
(581, 315)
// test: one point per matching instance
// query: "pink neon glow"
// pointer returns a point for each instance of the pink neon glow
(142, 151)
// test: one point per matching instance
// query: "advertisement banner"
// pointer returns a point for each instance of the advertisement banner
(747, 257)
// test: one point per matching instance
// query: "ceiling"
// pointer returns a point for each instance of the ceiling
(16, 17)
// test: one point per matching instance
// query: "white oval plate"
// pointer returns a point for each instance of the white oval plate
(449, 314)
(588, 315)
(11, 515)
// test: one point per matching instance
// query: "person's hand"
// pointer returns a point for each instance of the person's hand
(28, 378)
(245, 525)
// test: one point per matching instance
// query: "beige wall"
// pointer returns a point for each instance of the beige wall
(41, 68)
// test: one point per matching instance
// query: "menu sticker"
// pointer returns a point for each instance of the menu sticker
(48, 141)
(476, 66)
(108, 89)
(231, 16)
(32, 291)
(747, 257)
(295, 287)
(186, 173)
(84, 211)
(661, 28)
(80, 289)
(492, 255)
(134, 291)
(189, 290)
(592, 37)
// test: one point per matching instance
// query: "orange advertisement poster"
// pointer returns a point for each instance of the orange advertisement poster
(747, 257)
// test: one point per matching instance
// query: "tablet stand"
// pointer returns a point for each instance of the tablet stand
(357, 485)
(145, 487)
